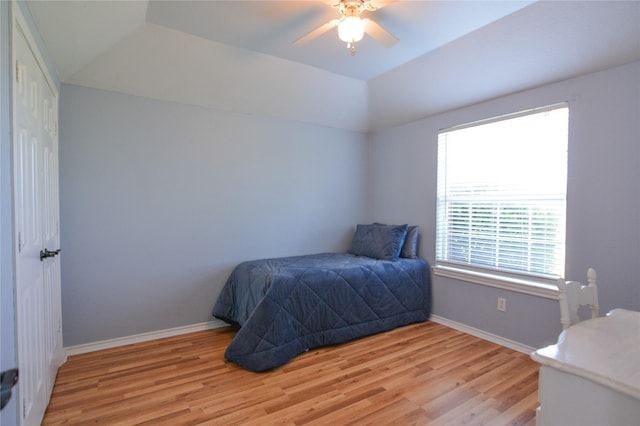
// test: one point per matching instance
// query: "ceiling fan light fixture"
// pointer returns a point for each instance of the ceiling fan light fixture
(351, 29)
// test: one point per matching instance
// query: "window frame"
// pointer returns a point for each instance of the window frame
(543, 286)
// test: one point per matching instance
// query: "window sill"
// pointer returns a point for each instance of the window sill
(513, 284)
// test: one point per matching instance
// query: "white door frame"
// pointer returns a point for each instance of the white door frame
(21, 30)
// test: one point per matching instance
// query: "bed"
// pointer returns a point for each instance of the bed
(285, 306)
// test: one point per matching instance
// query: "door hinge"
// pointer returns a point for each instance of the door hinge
(19, 242)
(18, 72)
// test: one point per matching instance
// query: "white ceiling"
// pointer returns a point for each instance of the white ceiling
(239, 55)
(271, 26)
(78, 31)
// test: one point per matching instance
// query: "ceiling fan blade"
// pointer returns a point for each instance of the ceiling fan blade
(378, 4)
(317, 32)
(379, 34)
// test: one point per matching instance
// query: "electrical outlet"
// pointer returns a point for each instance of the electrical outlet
(502, 304)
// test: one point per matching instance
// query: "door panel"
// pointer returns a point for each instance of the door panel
(51, 235)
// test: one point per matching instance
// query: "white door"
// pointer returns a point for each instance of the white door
(39, 334)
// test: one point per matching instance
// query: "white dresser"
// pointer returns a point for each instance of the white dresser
(592, 375)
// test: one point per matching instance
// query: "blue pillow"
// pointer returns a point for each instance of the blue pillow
(379, 242)
(410, 246)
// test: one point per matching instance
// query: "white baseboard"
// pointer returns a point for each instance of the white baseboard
(511, 344)
(143, 337)
(209, 325)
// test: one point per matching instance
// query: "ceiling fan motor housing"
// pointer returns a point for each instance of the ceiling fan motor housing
(351, 7)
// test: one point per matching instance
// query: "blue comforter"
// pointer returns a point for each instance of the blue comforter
(287, 305)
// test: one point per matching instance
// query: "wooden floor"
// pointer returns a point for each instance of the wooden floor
(419, 374)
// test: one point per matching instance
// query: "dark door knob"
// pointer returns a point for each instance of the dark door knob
(48, 253)
(8, 380)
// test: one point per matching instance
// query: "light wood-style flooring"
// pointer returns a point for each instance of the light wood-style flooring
(421, 374)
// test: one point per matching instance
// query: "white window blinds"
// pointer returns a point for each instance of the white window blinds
(501, 196)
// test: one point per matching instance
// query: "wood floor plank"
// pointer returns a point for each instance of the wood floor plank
(420, 374)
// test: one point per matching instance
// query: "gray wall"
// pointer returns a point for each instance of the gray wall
(603, 203)
(160, 200)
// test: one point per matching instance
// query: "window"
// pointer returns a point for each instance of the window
(501, 196)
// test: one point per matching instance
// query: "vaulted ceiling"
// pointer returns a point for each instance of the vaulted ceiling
(81, 30)
(450, 53)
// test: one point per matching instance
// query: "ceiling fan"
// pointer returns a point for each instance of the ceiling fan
(351, 27)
